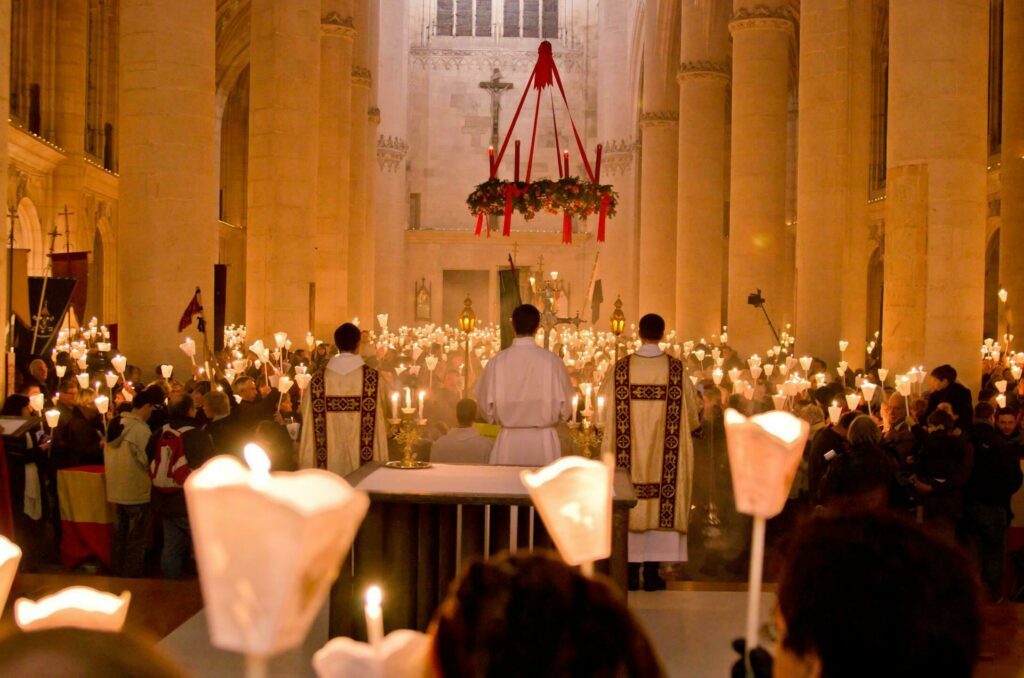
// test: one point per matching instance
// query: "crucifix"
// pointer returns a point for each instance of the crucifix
(495, 87)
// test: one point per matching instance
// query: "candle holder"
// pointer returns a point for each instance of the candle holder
(406, 432)
(587, 436)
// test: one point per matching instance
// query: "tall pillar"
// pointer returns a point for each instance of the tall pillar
(393, 291)
(71, 59)
(703, 83)
(358, 267)
(935, 185)
(167, 240)
(283, 162)
(762, 34)
(832, 174)
(659, 158)
(5, 105)
(1011, 174)
(333, 176)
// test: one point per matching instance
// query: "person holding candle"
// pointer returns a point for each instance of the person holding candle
(79, 441)
(344, 411)
(651, 413)
(128, 483)
(526, 389)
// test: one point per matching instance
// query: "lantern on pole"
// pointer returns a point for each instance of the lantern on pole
(467, 323)
(618, 321)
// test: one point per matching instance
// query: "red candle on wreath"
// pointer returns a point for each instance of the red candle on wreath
(597, 165)
(565, 154)
(517, 161)
(490, 160)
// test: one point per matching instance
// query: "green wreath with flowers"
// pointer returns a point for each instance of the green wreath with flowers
(565, 196)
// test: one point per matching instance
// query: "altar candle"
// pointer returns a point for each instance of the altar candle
(374, 617)
(597, 168)
(490, 160)
(517, 161)
(422, 395)
(600, 408)
(565, 156)
(408, 398)
(575, 407)
(394, 405)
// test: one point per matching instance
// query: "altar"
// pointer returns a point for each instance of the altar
(423, 526)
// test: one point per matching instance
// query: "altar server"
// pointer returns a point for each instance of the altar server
(526, 389)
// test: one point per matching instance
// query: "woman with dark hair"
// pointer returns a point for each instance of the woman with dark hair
(533, 615)
(863, 473)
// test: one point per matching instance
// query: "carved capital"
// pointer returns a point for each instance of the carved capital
(390, 153)
(333, 23)
(361, 77)
(703, 70)
(373, 113)
(659, 119)
(763, 17)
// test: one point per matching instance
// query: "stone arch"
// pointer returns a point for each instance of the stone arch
(992, 328)
(28, 235)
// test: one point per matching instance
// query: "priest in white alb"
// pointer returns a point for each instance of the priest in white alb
(526, 389)
(648, 429)
(343, 411)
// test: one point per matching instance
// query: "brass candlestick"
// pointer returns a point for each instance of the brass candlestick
(587, 437)
(406, 432)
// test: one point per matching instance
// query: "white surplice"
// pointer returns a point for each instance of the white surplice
(343, 376)
(525, 389)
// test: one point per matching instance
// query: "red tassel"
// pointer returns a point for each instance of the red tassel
(545, 67)
(567, 229)
(606, 201)
(510, 190)
(479, 222)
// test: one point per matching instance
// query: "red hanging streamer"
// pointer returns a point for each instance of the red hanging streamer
(545, 66)
(566, 229)
(479, 223)
(606, 201)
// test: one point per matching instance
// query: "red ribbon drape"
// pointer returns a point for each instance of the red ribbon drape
(606, 201)
(479, 223)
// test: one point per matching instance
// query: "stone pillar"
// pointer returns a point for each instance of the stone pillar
(5, 105)
(1011, 174)
(358, 267)
(393, 291)
(283, 162)
(832, 175)
(935, 193)
(69, 85)
(333, 177)
(167, 240)
(762, 35)
(659, 157)
(703, 83)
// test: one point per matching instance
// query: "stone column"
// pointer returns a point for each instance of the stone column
(358, 268)
(333, 176)
(1011, 174)
(935, 193)
(69, 85)
(703, 86)
(659, 157)
(283, 162)
(167, 240)
(832, 175)
(5, 105)
(393, 291)
(762, 35)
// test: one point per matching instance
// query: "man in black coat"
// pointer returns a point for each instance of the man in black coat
(945, 389)
(829, 439)
(995, 476)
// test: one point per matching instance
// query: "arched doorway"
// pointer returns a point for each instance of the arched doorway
(876, 294)
(28, 235)
(992, 286)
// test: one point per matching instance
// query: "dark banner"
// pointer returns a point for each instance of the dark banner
(74, 265)
(508, 284)
(46, 319)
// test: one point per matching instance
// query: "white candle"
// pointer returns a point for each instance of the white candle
(394, 405)
(575, 406)
(408, 398)
(600, 409)
(52, 418)
(422, 395)
(374, 617)
(834, 412)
